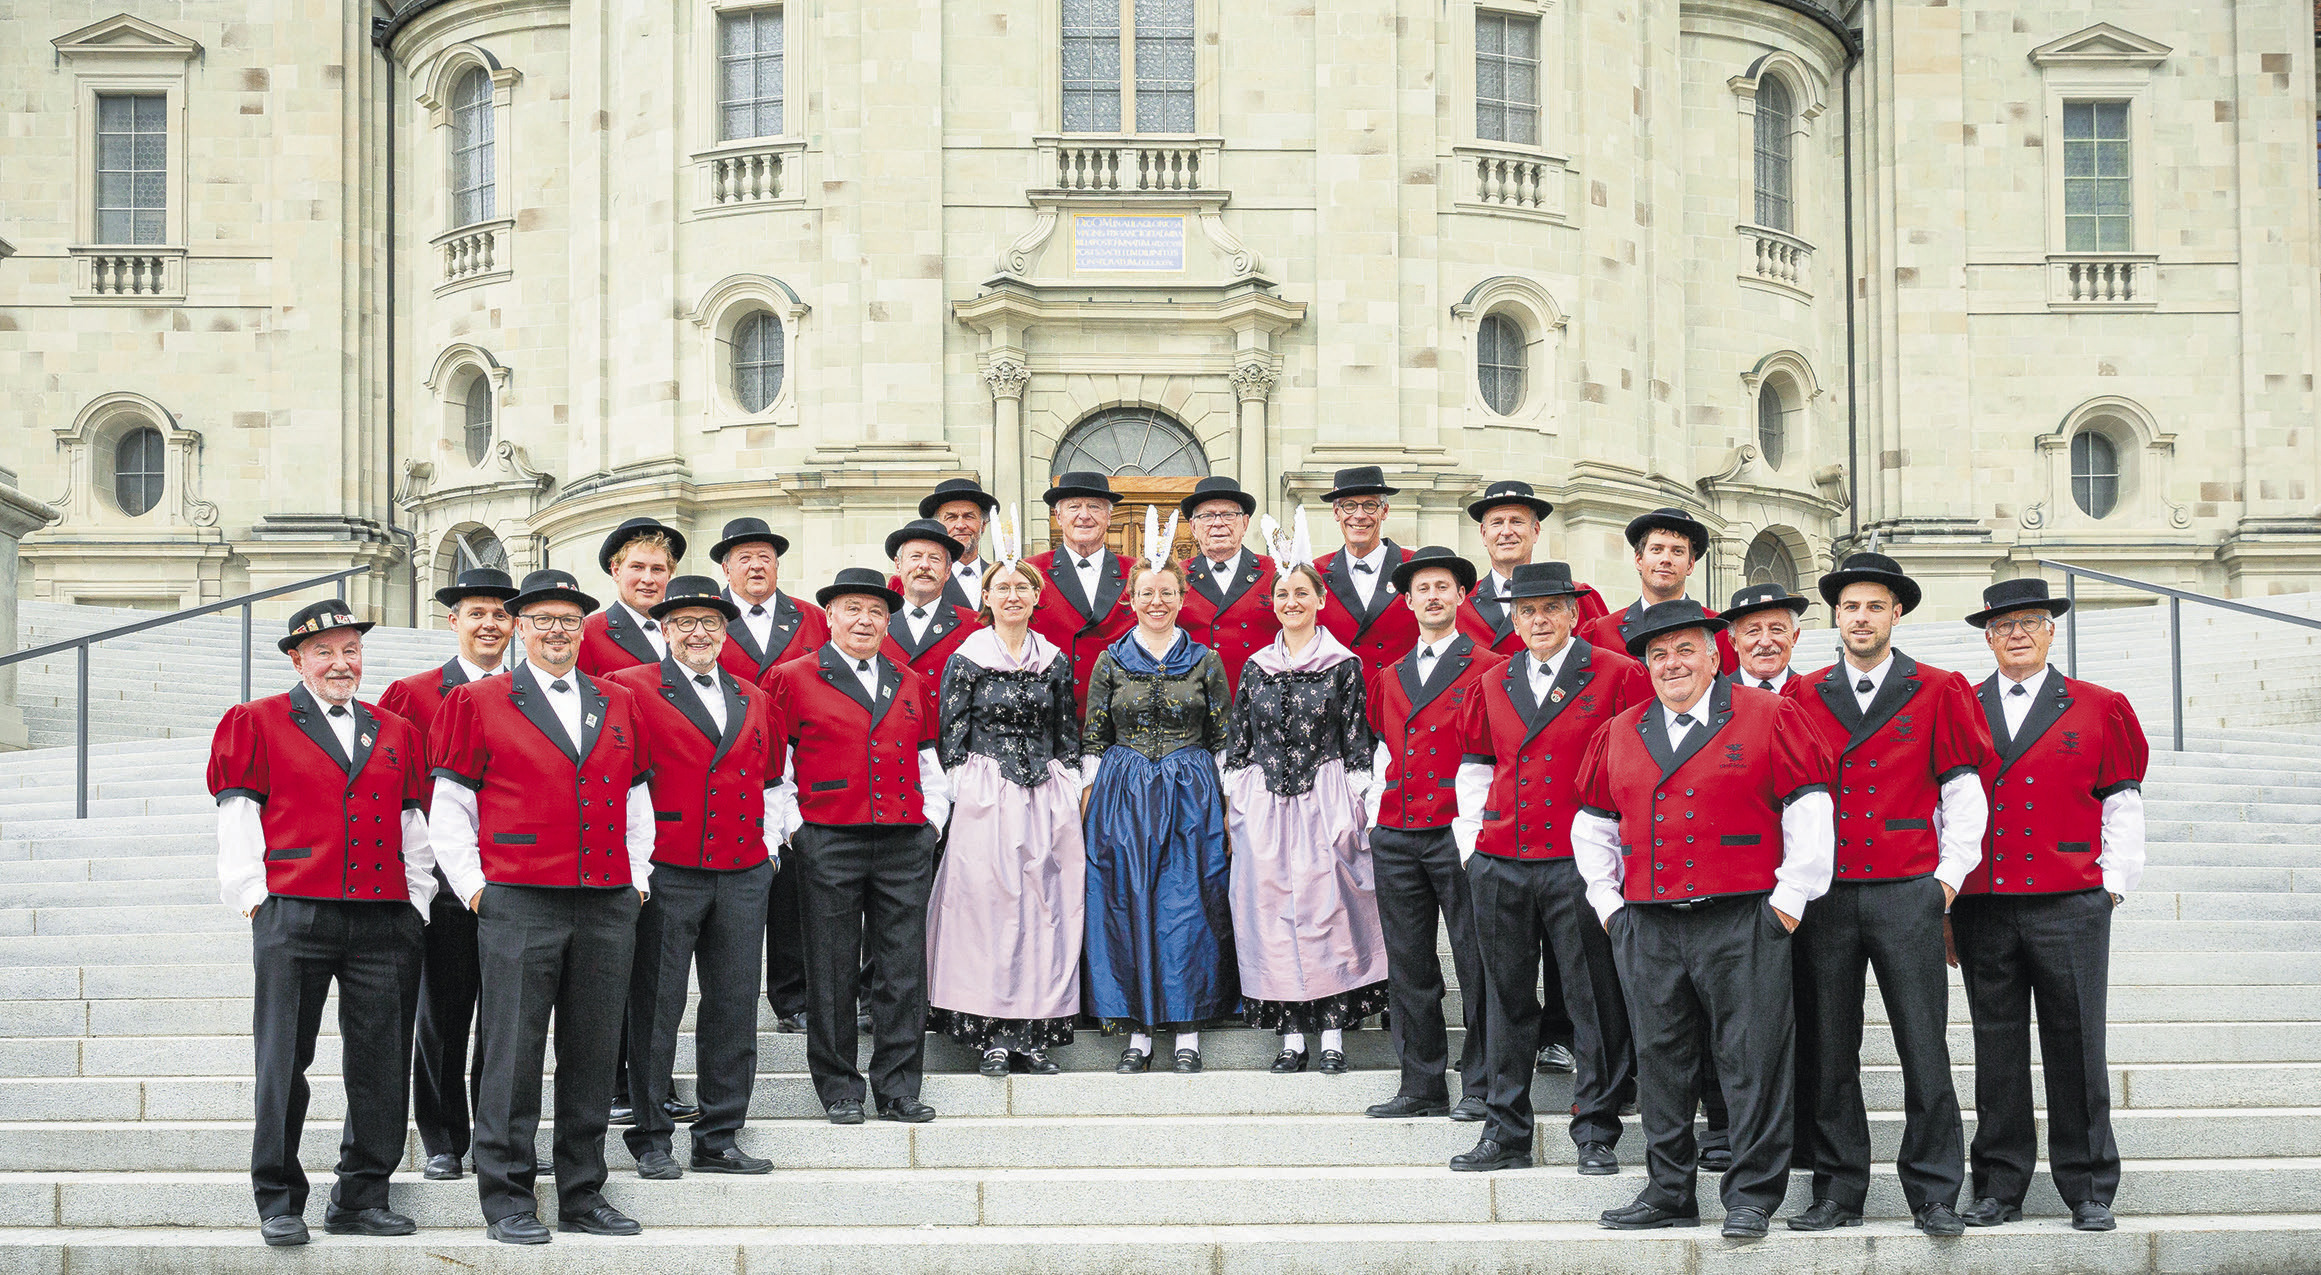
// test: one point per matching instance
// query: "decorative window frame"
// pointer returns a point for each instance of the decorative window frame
(1777, 261)
(2101, 63)
(752, 173)
(1797, 419)
(88, 447)
(480, 252)
(454, 371)
(124, 54)
(719, 312)
(1208, 102)
(2146, 457)
(1510, 179)
(1533, 309)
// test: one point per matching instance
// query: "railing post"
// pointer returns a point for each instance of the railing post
(245, 653)
(81, 737)
(2176, 663)
(2071, 622)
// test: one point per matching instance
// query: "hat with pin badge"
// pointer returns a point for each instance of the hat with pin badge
(321, 617)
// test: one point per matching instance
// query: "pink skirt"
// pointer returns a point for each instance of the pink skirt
(1004, 919)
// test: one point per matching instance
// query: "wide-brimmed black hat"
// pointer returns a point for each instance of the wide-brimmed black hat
(550, 585)
(860, 580)
(1669, 617)
(1217, 488)
(1542, 580)
(632, 529)
(1871, 568)
(2024, 594)
(320, 617)
(742, 531)
(1360, 480)
(923, 529)
(1675, 521)
(477, 582)
(1081, 482)
(1432, 556)
(951, 489)
(1512, 491)
(1765, 597)
(695, 591)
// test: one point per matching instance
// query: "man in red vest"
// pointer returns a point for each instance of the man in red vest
(715, 752)
(863, 806)
(1517, 794)
(1509, 517)
(927, 627)
(1668, 544)
(442, 1082)
(640, 555)
(1085, 607)
(1704, 831)
(322, 844)
(1764, 634)
(2033, 920)
(543, 824)
(961, 508)
(1229, 594)
(1365, 612)
(1910, 742)
(1419, 706)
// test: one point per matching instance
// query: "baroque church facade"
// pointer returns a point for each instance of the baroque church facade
(289, 288)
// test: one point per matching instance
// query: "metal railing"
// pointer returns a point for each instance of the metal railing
(2176, 600)
(80, 646)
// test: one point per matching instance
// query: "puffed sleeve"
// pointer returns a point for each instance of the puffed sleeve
(1595, 776)
(418, 785)
(957, 709)
(1356, 742)
(777, 745)
(930, 723)
(457, 750)
(1635, 685)
(1097, 737)
(1224, 729)
(1062, 716)
(2126, 752)
(238, 757)
(1962, 736)
(640, 747)
(1802, 762)
(396, 700)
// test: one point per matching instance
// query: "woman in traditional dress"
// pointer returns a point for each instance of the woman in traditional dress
(1305, 909)
(1160, 932)
(1004, 919)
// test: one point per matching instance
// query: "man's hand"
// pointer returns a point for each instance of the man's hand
(1949, 895)
(252, 911)
(642, 895)
(475, 903)
(2118, 899)
(1949, 945)
(1788, 922)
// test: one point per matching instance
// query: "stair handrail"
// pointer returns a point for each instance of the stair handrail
(80, 646)
(2176, 600)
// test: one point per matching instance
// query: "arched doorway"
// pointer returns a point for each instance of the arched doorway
(1151, 458)
(1770, 561)
(467, 548)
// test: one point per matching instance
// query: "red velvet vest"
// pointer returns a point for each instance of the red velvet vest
(947, 627)
(1237, 622)
(546, 816)
(1083, 635)
(1922, 728)
(2079, 744)
(1380, 633)
(855, 761)
(1536, 749)
(708, 786)
(334, 830)
(798, 627)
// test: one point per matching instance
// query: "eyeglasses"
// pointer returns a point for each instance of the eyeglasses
(693, 623)
(2026, 627)
(1372, 508)
(1217, 516)
(555, 623)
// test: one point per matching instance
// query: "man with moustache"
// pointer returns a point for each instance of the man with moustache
(1086, 609)
(640, 555)
(1704, 831)
(715, 752)
(321, 844)
(1413, 704)
(2033, 921)
(441, 1080)
(1509, 517)
(1910, 742)
(1668, 544)
(544, 824)
(1517, 796)
(1229, 604)
(927, 627)
(963, 509)
(1764, 634)
(1365, 612)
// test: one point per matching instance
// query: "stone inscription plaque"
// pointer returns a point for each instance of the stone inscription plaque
(1121, 242)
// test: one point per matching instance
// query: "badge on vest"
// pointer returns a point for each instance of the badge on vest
(1555, 696)
(591, 719)
(366, 741)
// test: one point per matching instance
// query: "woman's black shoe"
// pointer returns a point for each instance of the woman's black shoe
(1333, 1063)
(1037, 1063)
(994, 1064)
(1288, 1061)
(1188, 1062)
(1132, 1061)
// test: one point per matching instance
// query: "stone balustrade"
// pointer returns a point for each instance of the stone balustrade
(1129, 165)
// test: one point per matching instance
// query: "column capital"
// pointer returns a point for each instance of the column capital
(1253, 379)
(1006, 378)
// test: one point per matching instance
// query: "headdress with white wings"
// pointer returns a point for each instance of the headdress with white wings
(1007, 539)
(1293, 550)
(1157, 543)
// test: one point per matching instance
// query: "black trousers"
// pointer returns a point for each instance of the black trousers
(1521, 907)
(297, 946)
(785, 946)
(1717, 1134)
(864, 893)
(1894, 927)
(2053, 950)
(444, 1075)
(716, 922)
(548, 953)
(1723, 965)
(1419, 878)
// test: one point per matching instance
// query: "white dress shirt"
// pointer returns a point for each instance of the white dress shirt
(1424, 655)
(1221, 573)
(651, 627)
(342, 724)
(711, 694)
(476, 672)
(969, 574)
(757, 617)
(1678, 731)
(1090, 569)
(865, 671)
(242, 841)
(1498, 584)
(1366, 582)
(1754, 683)
(1541, 675)
(1877, 677)
(918, 615)
(1808, 851)
(2017, 707)
(564, 703)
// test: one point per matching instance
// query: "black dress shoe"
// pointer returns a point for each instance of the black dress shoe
(1554, 1057)
(1597, 1160)
(1470, 1110)
(1187, 1062)
(846, 1111)
(1035, 1062)
(1745, 1223)
(338, 1221)
(729, 1160)
(1824, 1215)
(1938, 1219)
(1641, 1216)
(1491, 1155)
(681, 1112)
(790, 1024)
(1333, 1062)
(604, 1219)
(2087, 1215)
(1288, 1061)
(1989, 1212)
(659, 1166)
(519, 1228)
(441, 1168)
(621, 1113)
(906, 1110)
(1716, 1161)
(283, 1231)
(1132, 1061)
(994, 1064)
(1402, 1108)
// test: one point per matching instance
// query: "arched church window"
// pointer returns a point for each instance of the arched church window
(1133, 442)
(1776, 117)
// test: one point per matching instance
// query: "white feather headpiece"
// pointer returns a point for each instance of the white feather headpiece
(1293, 550)
(1156, 542)
(1007, 539)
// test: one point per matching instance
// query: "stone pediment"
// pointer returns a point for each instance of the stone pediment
(2101, 45)
(125, 36)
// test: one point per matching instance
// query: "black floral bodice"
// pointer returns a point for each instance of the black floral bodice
(1154, 713)
(1022, 719)
(1289, 724)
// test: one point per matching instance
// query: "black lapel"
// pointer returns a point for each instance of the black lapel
(366, 738)
(898, 627)
(1108, 587)
(1718, 702)
(591, 711)
(1245, 573)
(1993, 715)
(535, 709)
(838, 671)
(787, 618)
(735, 709)
(1489, 609)
(1383, 596)
(1339, 580)
(1518, 685)
(681, 696)
(1066, 576)
(889, 681)
(453, 675)
(1901, 683)
(738, 633)
(628, 636)
(955, 593)
(1837, 694)
(308, 713)
(1205, 581)
(1633, 613)
(2047, 708)
(1570, 680)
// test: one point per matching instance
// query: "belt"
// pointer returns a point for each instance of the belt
(1694, 905)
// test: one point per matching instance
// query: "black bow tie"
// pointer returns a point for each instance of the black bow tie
(862, 666)
(652, 626)
(1087, 564)
(1864, 686)
(968, 568)
(2017, 691)
(1764, 685)
(1426, 652)
(1684, 721)
(340, 710)
(701, 678)
(1545, 671)
(560, 685)
(918, 613)
(759, 610)
(1365, 568)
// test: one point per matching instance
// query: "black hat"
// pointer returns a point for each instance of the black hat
(321, 617)
(951, 489)
(1670, 520)
(695, 591)
(477, 582)
(632, 529)
(1510, 492)
(742, 531)
(923, 529)
(1360, 480)
(1542, 580)
(1871, 568)
(1217, 488)
(550, 585)
(1764, 597)
(860, 580)
(1669, 617)
(1081, 482)
(1431, 556)
(2017, 595)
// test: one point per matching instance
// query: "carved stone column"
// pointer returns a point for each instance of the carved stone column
(1007, 376)
(19, 514)
(1253, 382)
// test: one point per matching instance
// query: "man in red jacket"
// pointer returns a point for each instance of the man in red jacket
(544, 825)
(1910, 742)
(442, 1083)
(1703, 833)
(715, 752)
(2033, 920)
(1509, 517)
(1085, 609)
(1229, 594)
(640, 555)
(321, 844)
(1365, 611)
(1668, 544)
(927, 627)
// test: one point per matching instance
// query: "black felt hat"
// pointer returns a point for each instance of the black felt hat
(1675, 521)
(1669, 617)
(742, 531)
(1080, 482)
(1542, 580)
(1871, 568)
(320, 617)
(923, 529)
(632, 529)
(2027, 593)
(1512, 491)
(862, 580)
(1217, 487)
(477, 582)
(695, 591)
(1359, 480)
(550, 585)
(1432, 556)
(951, 489)
(1765, 597)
